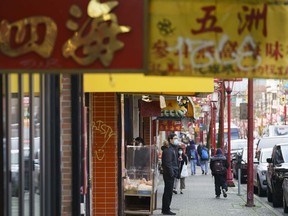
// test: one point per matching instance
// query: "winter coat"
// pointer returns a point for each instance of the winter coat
(199, 150)
(193, 147)
(169, 161)
(217, 158)
(181, 163)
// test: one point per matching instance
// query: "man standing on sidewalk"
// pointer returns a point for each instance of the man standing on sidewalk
(170, 171)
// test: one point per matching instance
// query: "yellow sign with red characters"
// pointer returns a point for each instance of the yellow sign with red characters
(224, 38)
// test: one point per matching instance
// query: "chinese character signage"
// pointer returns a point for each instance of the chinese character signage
(72, 35)
(170, 125)
(218, 38)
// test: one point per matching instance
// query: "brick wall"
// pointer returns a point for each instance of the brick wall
(66, 146)
(104, 153)
(146, 122)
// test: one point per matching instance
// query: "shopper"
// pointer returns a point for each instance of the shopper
(219, 166)
(194, 158)
(170, 172)
(183, 161)
(204, 158)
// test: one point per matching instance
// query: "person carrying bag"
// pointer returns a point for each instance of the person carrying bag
(183, 171)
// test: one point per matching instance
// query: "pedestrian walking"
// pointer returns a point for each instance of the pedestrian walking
(219, 166)
(170, 172)
(193, 157)
(204, 158)
(183, 171)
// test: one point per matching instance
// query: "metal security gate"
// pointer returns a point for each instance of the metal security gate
(30, 145)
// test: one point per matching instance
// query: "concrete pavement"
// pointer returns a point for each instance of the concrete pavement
(199, 199)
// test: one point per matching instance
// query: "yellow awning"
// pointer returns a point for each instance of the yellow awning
(14, 83)
(139, 83)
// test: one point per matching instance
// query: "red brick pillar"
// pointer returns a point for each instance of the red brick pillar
(105, 164)
(147, 128)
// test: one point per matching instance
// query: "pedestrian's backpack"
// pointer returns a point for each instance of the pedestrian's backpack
(204, 153)
(193, 153)
(218, 167)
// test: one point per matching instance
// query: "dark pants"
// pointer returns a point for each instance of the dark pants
(168, 191)
(220, 182)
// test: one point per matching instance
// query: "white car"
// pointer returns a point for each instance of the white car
(236, 146)
(259, 171)
(269, 142)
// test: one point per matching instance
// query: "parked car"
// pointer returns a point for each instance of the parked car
(259, 171)
(277, 168)
(15, 170)
(285, 193)
(275, 130)
(37, 172)
(241, 155)
(269, 142)
(237, 145)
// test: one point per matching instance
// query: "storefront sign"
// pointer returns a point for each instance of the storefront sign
(72, 35)
(169, 125)
(218, 39)
(173, 109)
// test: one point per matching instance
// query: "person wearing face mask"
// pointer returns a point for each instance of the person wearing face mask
(182, 159)
(170, 172)
(175, 145)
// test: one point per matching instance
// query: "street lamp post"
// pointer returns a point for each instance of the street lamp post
(229, 87)
(214, 101)
(205, 110)
(220, 89)
(285, 113)
(201, 126)
(221, 122)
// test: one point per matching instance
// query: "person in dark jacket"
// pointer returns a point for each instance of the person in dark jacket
(193, 158)
(204, 158)
(199, 151)
(182, 159)
(170, 172)
(175, 145)
(188, 148)
(219, 166)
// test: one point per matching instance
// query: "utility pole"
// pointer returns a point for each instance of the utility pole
(250, 186)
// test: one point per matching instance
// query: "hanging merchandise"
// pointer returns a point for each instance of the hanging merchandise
(162, 102)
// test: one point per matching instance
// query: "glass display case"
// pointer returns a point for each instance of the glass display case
(141, 180)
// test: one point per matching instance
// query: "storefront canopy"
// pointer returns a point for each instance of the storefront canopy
(139, 83)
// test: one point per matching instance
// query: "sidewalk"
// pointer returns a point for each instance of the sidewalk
(199, 199)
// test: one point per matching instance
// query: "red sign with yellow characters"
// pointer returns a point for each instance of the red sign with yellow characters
(170, 125)
(72, 35)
